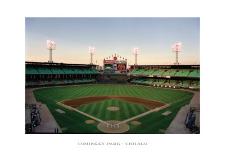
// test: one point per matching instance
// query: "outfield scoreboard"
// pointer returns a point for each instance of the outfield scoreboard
(116, 65)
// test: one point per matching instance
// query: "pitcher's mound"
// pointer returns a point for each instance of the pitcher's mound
(113, 127)
(113, 108)
(90, 121)
(135, 123)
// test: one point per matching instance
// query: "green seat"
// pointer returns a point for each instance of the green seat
(31, 70)
(182, 73)
(68, 71)
(42, 70)
(172, 72)
(186, 84)
(57, 71)
(194, 73)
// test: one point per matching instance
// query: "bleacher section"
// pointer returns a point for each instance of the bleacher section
(195, 85)
(172, 76)
(57, 71)
(182, 73)
(166, 72)
(41, 70)
(59, 82)
(194, 73)
(167, 83)
(43, 74)
(31, 70)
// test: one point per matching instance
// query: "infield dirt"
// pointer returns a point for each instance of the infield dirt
(85, 100)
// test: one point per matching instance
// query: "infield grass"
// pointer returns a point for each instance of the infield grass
(126, 110)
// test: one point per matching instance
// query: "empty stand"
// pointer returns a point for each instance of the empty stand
(42, 74)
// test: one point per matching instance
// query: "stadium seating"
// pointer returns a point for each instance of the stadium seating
(178, 84)
(171, 72)
(69, 71)
(194, 73)
(44, 75)
(159, 83)
(182, 73)
(169, 77)
(186, 84)
(167, 83)
(91, 71)
(31, 70)
(138, 71)
(156, 72)
(166, 72)
(56, 71)
(195, 85)
(43, 70)
(59, 82)
(151, 82)
(139, 81)
(46, 70)
(79, 71)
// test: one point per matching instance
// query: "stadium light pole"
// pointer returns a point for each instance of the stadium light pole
(91, 51)
(176, 47)
(135, 52)
(50, 46)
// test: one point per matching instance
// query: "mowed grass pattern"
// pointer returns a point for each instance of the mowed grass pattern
(73, 122)
(126, 110)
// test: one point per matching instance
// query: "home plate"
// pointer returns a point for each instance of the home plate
(166, 113)
(60, 111)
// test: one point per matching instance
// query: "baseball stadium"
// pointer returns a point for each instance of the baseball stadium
(74, 98)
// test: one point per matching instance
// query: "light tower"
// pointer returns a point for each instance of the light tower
(50, 46)
(135, 52)
(91, 50)
(176, 48)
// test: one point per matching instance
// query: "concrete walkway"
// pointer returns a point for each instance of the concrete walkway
(177, 126)
(48, 123)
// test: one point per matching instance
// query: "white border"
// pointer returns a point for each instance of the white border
(14, 141)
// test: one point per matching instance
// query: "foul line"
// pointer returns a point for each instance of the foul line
(81, 112)
(122, 122)
(143, 114)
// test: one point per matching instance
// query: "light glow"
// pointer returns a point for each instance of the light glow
(136, 50)
(91, 49)
(51, 45)
(176, 47)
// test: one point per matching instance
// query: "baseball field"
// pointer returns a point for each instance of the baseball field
(113, 108)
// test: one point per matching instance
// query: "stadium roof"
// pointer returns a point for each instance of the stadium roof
(167, 66)
(58, 64)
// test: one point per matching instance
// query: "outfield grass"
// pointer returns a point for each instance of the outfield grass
(73, 122)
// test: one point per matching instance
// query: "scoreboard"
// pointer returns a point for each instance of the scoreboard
(116, 65)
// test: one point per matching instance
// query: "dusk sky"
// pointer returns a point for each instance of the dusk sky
(73, 36)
